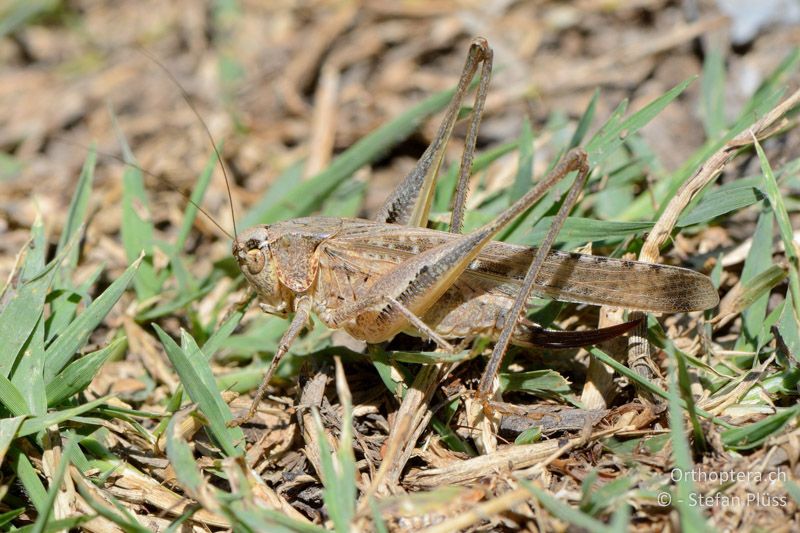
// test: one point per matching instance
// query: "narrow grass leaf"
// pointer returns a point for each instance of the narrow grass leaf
(8, 432)
(712, 90)
(611, 138)
(59, 353)
(787, 326)
(772, 86)
(784, 225)
(529, 436)
(428, 358)
(346, 200)
(76, 215)
(564, 511)
(585, 121)
(523, 181)
(55, 485)
(38, 423)
(690, 517)
(586, 230)
(685, 389)
(29, 477)
(8, 516)
(753, 435)
(116, 512)
(198, 192)
(606, 133)
(597, 497)
(28, 376)
(726, 199)
(221, 334)
(137, 232)
(793, 489)
(535, 382)
(26, 305)
(271, 200)
(12, 398)
(181, 457)
(58, 526)
(646, 384)
(64, 301)
(257, 518)
(758, 260)
(446, 184)
(762, 101)
(752, 291)
(78, 374)
(17, 14)
(338, 468)
(198, 380)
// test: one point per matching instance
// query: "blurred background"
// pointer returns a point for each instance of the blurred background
(283, 83)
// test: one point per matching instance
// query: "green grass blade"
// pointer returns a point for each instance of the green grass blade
(784, 225)
(38, 423)
(78, 374)
(59, 353)
(55, 485)
(755, 434)
(758, 260)
(523, 181)
(29, 477)
(645, 384)
(182, 459)
(64, 301)
(585, 121)
(578, 229)
(198, 381)
(8, 432)
(28, 376)
(611, 138)
(446, 184)
(76, 215)
(276, 194)
(726, 199)
(137, 232)
(787, 326)
(712, 90)
(685, 389)
(24, 309)
(12, 399)
(121, 517)
(535, 382)
(198, 192)
(339, 467)
(563, 511)
(690, 517)
(8, 516)
(346, 200)
(256, 518)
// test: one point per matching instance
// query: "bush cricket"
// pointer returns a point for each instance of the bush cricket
(376, 278)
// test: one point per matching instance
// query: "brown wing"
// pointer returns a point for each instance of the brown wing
(568, 277)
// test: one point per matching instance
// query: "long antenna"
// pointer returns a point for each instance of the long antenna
(187, 98)
(161, 179)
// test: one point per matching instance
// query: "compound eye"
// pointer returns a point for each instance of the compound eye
(255, 261)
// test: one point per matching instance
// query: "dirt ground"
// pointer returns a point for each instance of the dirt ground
(282, 82)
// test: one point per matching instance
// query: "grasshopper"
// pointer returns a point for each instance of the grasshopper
(377, 278)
